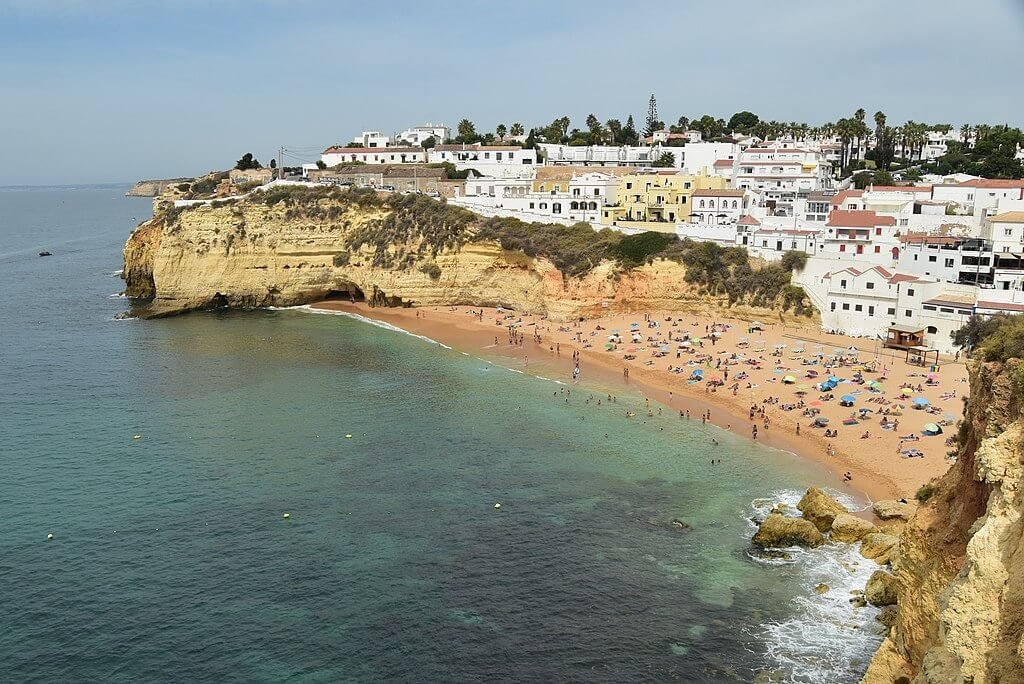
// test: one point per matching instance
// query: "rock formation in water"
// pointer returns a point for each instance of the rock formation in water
(958, 572)
(295, 246)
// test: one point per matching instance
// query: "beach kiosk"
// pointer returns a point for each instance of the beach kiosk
(904, 337)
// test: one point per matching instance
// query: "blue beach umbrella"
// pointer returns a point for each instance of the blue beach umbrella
(920, 402)
(847, 398)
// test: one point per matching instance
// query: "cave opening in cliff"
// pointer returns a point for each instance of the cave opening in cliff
(348, 293)
(218, 301)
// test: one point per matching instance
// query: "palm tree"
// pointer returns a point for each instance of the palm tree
(879, 125)
(516, 130)
(965, 133)
(501, 131)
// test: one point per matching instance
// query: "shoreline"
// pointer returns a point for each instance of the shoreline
(456, 328)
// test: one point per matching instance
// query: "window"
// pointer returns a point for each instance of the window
(915, 257)
(842, 248)
(949, 263)
(702, 204)
(629, 186)
(846, 307)
(932, 258)
(487, 155)
(891, 311)
(931, 330)
(858, 307)
(597, 192)
(870, 286)
(908, 313)
(1008, 232)
(792, 245)
(871, 311)
(833, 308)
(542, 187)
(945, 310)
(878, 250)
(531, 205)
(842, 284)
(556, 208)
(878, 231)
(904, 222)
(910, 292)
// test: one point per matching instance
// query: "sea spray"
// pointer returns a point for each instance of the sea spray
(826, 639)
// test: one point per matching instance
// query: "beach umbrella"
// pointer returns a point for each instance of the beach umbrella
(634, 326)
(920, 402)
(685, 343)
(932, 429)
(812, 373)
(907, 392)
(821, 421)
(695, 340)
(804, 387)
(715, 378)
(875, 384)
(833, 378)
(609, 346)
(631, 350)
(789, 379)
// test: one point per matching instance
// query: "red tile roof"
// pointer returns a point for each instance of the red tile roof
(1001, 306)
(902, 188)
(397, 150)
(902, 278)
(847, 218)
(718, 193)
(724, 162)
(992, 183)
(748, 220)
(845, 195)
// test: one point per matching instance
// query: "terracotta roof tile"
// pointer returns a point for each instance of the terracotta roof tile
(847, 218)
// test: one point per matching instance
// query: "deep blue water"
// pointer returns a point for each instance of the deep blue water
(172, 560)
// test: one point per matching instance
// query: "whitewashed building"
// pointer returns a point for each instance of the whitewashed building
(782, 172)
(372, 139)
(607, 155)
(417, 135)
(401, 154)
(719, 206)
(495, 161)
(701, 158)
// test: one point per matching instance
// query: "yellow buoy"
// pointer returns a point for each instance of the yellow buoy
(348, 436)
(50, 536)
(497, 505)
(287, 515)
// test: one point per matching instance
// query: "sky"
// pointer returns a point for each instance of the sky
(95, 91)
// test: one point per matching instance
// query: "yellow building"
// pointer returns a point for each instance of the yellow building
(657, 200)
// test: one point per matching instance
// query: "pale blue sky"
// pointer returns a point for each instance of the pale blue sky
(115, 90)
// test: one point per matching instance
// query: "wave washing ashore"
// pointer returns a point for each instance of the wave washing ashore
(874, 426)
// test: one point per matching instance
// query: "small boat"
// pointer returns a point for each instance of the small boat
(45, 253)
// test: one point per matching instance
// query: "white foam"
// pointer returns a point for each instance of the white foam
(380, 324)
(118, 295)
(826, 639)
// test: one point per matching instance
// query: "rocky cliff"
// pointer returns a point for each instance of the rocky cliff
(292, 249)
(959, 567)
(153, 188)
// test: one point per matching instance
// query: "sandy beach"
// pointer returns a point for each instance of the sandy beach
(745, 376)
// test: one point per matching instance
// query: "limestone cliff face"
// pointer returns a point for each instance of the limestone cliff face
(249, 254)
(960, 564)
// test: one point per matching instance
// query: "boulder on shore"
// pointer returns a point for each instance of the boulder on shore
(893, 510)
(820, 508)
(849, 528)
(878, 547)
(779, 530)
(881, 589)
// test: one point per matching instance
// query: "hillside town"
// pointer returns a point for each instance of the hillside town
(902, 245)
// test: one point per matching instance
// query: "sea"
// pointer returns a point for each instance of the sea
(278, 495)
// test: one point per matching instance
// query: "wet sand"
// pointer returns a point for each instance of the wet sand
(876, 467)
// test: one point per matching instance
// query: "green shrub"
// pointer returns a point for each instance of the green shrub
(633, 250)
(925, 492)
(342, 259)
(794, 260)
(204, 186)
(431, 269)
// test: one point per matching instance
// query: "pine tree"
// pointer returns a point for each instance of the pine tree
(652, 117)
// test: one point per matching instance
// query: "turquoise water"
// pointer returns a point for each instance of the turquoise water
(172, 560)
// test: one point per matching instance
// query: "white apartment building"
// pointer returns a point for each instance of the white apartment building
(719, 206)
(980, 196)
(867, 302)
(700, 158)
(950, 258)
(1006, 233)
(417, 135)
(372, 139)
(401, 154)
(772, 243)
(782, 172)
(579, 198)
(494, 161)
(861, 235)
(607, 155)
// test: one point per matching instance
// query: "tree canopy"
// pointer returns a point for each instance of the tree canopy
(248, 162)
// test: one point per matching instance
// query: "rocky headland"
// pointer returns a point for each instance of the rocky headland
(290, 246)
